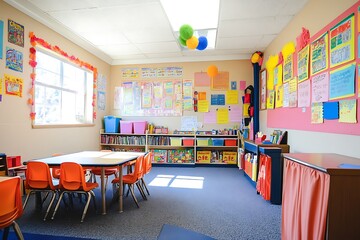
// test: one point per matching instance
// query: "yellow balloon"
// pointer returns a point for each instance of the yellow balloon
(192, 42)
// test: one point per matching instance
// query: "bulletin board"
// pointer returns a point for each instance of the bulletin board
(321, 82)
(150, 98)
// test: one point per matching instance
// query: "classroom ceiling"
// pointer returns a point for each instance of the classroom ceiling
(139, 32)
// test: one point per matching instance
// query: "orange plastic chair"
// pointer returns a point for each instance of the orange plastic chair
(147, 169)
(134, 178)
(72, 180)
(11, 206)
(38, 179)
(55, 170)
(96, 171)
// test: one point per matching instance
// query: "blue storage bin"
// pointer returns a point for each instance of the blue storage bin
(111, 124)
(217, 141)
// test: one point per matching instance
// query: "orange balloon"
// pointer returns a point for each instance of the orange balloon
(212, 71)
(192, 42)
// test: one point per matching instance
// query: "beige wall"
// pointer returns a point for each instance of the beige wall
(315, 15)
(238, 70)
(17, 135)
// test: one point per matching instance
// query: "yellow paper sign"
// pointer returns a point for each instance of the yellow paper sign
(222, 116)
(232, 97)
(203, 105)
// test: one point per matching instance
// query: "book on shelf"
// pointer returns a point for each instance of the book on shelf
(278, 137)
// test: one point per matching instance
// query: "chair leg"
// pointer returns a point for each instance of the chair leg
(144, 184)
(133, 194)
(27, 198)
(86, 206)
(94, 200)
(57, 205)
(50, 205)
(18, 231)
(141, 190)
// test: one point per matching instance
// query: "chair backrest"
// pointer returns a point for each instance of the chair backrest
(72, 176)
(11, 204)
(56, 170)
(147, 162)
(38, 176)
(139, 167)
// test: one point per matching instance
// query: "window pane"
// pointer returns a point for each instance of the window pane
(47, 105)
(63, 92)
(73, 78)
(68, 107)
(47, 77)
(48, 69)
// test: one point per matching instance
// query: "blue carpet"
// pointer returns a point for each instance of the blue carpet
(171, 232)
(34, 236)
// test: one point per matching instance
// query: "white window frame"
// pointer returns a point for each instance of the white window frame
(88, 96)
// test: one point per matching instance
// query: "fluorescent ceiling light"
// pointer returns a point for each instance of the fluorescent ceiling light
(201, 15)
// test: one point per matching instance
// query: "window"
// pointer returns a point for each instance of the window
(63, 92)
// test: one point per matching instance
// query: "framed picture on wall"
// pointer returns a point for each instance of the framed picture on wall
(263, 79)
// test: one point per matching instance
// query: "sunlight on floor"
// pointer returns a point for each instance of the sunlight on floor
(178, 181)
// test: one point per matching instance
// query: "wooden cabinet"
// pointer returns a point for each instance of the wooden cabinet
(123, 142)
(321, 196)
(178, 148)
(222, 149)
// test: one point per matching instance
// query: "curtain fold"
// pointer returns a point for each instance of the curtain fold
(305, 202)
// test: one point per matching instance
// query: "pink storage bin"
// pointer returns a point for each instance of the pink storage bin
(126, 127)
(139, 127)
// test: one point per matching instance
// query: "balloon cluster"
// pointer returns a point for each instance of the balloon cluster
(187, 39)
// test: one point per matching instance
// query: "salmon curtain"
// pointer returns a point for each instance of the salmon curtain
(305, 202)
(263, 185)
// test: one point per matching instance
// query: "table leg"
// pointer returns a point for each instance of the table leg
(121, 190)
(103, 201)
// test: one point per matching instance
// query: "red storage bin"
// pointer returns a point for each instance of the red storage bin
(188, 142)
(230, 142)
(13, 161)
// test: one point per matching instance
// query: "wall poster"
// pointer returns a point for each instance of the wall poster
(303, 63)
(319, 54)
(263, 89)
(342, 42)
(157, 98)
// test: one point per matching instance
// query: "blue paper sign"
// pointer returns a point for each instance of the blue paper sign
(342, 82)
(331, 110)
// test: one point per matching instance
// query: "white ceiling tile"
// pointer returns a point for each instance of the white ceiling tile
(56, 5)
(164, 55)
(123, 49)
(129, 56)
(238, 42)
(104, 37)
(266, 40)
(247, 27)
(166, 47)
(243, 9)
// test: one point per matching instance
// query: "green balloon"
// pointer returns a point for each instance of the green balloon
(186, 31)
(182, 41)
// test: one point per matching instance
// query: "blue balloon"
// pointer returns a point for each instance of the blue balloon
(202, 43)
